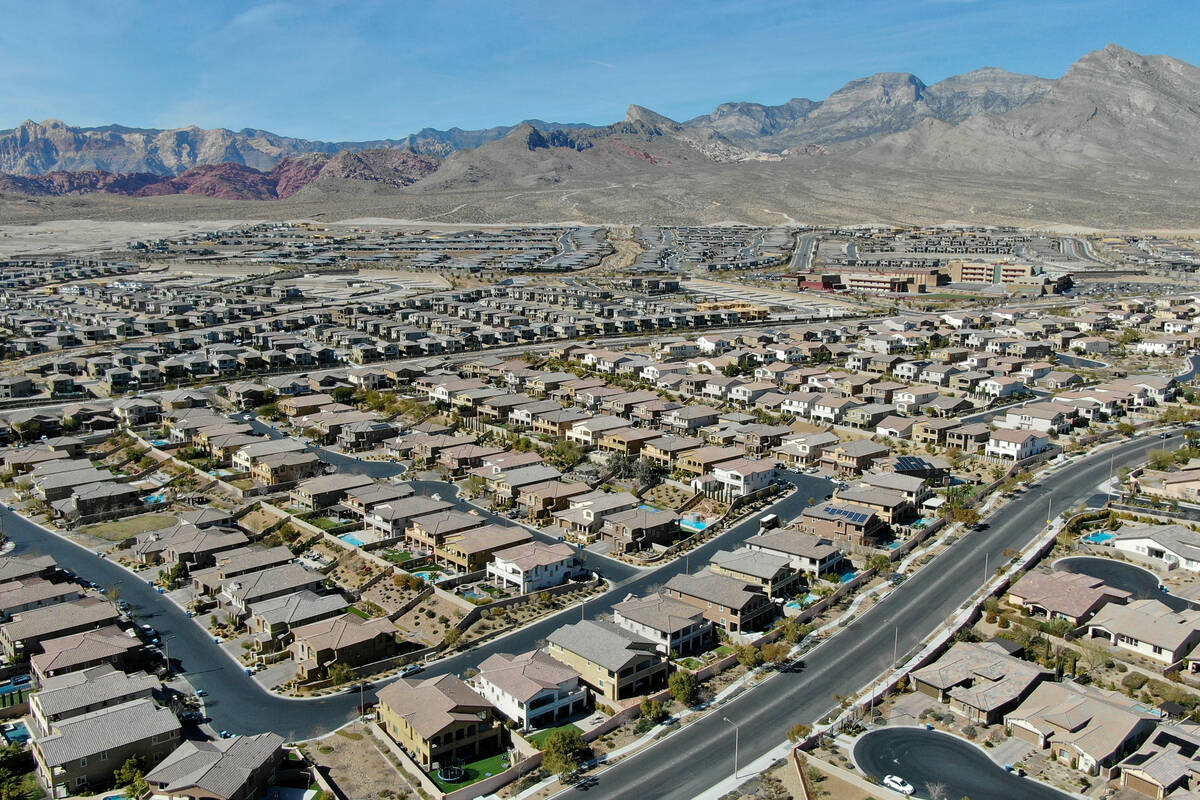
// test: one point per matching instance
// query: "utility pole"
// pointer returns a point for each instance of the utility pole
(736, 736)
(985, 566)
(896, 643)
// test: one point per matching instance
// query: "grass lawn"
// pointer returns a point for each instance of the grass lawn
(116, 530)
(723, 650)
(324, 523)
(397, 556)
(474, 772)
(691, 663)
(358, 612)
(538, 739)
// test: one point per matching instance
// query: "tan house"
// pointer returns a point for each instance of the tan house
(981, 682)
(471, 550)
(83, 751)
(439, 720)
(281, 468)
(734, 604)
(614, 662)
(344, 639)
(703, 459)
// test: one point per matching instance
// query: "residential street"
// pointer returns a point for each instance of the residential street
(697, 757)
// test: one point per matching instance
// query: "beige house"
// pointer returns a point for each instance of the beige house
(83, 751)
(440, 720)
(345, 639)
(614, 662)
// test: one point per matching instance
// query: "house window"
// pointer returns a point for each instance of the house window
(83, 762)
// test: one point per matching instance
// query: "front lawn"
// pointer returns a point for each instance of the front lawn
(538, 739)
(474, 772)
(396, 556)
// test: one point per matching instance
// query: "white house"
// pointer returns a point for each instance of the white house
(533, 566)
(743, 476)
(532, 689)
(1016, 445)
(1160, 346)
(1148, 628)
(1170, 545)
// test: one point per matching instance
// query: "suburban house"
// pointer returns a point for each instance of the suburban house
(531, 689)
(1063, 595)
(857, 524)
(471, 550)
(440, 720)
(735, 605)
(773, 573)
(1148, 628)
(237, 768)
(83, 751)
(639, 529)
(1165, 546)
(78, 651)
(533, 566)
(1088, 729)
(980, 681)
(344, 639)
(1166, 765)
(73, 694)
(805, 552)
(674, 626)
(1015, 445)
(614, 662)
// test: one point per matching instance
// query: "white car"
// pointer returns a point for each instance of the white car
(898, 784)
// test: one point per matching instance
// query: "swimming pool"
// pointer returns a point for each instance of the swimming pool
(849, 576)
(693, 524)
(156, 498)
(1099, 538)
(15, 685)
(804, 602)
(428, 575)
(648, 507)
(350, 538)
(16, 732)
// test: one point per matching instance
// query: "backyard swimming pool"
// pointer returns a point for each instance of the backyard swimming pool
(696, 525)
(16, 732)
(1099, 538)
(350, 538)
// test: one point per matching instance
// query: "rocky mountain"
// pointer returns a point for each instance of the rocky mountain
(865, 109)
(1115, 112)
(36, 148)
(230, 181)
(1114, 142)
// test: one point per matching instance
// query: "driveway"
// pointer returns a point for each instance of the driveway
(1140, 582)
(932, 759)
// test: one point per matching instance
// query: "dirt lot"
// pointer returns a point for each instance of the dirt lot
(420, 625)
(120, 529)
(358, 767)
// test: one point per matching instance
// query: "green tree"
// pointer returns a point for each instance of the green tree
(132, 776)
(749, 656)
(341, 672)
(1160, 460)
(451, 636)
(653, 710)
(564, 751)
(684, 687)
(342, 394)
(775, 652)
(798, 732)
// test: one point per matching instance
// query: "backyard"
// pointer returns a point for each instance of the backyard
(473, 772)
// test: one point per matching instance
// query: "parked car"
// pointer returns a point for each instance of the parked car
(411, 669)
(898, 784)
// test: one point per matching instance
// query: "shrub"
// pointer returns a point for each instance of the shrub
(1134, 681)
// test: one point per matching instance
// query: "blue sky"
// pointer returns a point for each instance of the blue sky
(365, 69)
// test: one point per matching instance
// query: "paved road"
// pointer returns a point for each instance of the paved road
(686, 764)
(925, 758)
(236, 702)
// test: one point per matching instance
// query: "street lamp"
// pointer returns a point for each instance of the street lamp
(736, 737)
